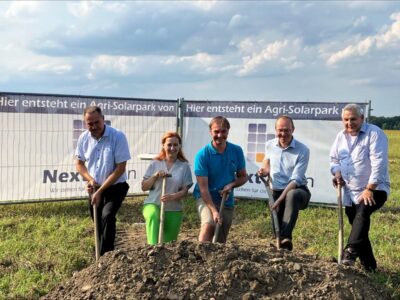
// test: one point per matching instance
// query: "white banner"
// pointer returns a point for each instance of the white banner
(39, 134)
(252, 125)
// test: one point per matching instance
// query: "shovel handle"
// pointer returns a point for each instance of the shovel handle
(340, 219)
(162, 208)
(274, 215)
(96, 230)
(218, 225)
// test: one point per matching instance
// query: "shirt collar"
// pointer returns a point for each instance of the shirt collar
(213, 150)
(363, 129)
(291, 145)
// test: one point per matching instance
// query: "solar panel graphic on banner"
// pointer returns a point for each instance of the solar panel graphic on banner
(257, 137)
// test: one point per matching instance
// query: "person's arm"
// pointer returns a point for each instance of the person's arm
(378, 149)
(300, 168)
(265, 168)
(177, 195)
(335, 163)
(241, 178)
(202, 181)
(298, 173)
(183, 190)
(110, 180)
(148, 183)
(83, 171)
(292, 185)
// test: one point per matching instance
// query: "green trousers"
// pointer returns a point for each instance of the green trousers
(172, 223)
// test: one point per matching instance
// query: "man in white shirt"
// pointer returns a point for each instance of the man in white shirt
(359, 163)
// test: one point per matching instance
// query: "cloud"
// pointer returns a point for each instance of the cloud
(18, 9)
(280, 52)
(118, 65)
(48, 68)
(389, 38)
(236, 21)
(82, 8)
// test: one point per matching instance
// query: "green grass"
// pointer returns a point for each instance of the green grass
(44, 244)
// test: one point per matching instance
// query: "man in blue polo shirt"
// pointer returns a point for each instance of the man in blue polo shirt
(106, 152)
(219, 168)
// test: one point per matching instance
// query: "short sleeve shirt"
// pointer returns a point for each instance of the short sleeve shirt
(104, 154)
(181, 177)
(220, 168)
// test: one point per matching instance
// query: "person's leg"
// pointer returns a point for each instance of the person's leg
(113, 198)
(207, 222)
(281, 210)
(296, 200)
(359, 235)
(151, 214)
(349, 254)
(227, 217)
(172, 225)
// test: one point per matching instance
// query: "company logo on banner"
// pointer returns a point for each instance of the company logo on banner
(253, 124)
(257, 137)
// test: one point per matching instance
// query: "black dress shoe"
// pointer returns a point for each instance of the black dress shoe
(287, 244)
(349, 257)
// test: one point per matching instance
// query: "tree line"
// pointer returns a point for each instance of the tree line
(386, 123)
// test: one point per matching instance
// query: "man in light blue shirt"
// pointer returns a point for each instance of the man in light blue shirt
(359, 163)
(286, 162)
(106, 152)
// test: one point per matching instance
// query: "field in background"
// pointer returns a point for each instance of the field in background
(44, 244)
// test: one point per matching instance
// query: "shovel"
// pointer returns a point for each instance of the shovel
(274, 215)
(161, 228)
(340, 218)
(218, 225)
(96, 230)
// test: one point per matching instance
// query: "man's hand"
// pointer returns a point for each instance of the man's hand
(217, 217)
(277, 204)
(262, 172)
(367, 197)
(95, 196)
(92, 186)
(338, 180)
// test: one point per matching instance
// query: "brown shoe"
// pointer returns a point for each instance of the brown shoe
(287, 244)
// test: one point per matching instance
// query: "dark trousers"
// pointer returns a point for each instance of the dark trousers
(296, 200)
(109, 205)
(359, 218)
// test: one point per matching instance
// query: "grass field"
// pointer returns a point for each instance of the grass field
(44, 244)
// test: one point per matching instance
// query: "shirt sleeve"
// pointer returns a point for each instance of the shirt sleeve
(334, 157)
(241, 160)
(299, 171)
(378, 156)
(188, 181)
(122, 149)
(200, 164)
(79, 152)
(151, 169)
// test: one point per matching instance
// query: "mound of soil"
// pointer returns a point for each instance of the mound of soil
(190, 270)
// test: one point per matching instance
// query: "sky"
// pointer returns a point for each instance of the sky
(335, 51)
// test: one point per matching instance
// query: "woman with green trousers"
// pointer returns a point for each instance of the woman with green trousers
(169, 162)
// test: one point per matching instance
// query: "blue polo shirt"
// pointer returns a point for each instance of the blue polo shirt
(220, 168)
(104, 154)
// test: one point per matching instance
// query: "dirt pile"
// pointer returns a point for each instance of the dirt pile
(191, 270)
